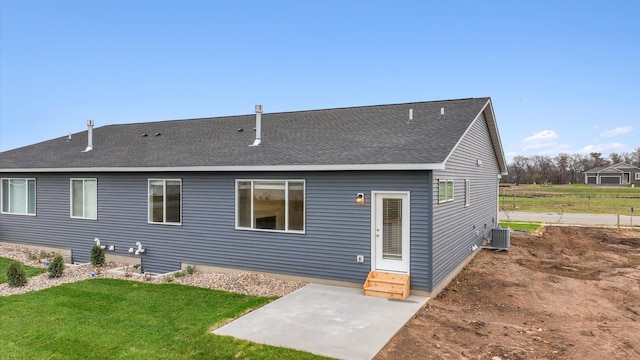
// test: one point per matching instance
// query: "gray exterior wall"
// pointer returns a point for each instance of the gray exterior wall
(456, 227)
(337, 229)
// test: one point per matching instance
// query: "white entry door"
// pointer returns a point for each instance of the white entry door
(390, 231)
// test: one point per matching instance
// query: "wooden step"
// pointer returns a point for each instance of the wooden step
(387, 285)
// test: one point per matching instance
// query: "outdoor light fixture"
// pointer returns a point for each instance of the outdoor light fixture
(360, 198)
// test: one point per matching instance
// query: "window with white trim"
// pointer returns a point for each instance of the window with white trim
(467, 192)
(165, 201)
(84, 198)
(277, 205)
(19, 196)
(445, 191)
(637, 176)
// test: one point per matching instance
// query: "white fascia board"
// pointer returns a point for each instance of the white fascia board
(338, 167)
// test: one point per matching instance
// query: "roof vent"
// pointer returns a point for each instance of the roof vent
(144, 135)
(258, 139)
(158, 134)
(89, 136)
(442, 111)
(410, 116)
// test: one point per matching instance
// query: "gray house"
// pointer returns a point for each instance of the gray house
(617, 174)
(325, 195)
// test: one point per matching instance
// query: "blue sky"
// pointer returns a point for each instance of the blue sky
(564, 76)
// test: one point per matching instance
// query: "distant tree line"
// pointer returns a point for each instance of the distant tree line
(563, 168)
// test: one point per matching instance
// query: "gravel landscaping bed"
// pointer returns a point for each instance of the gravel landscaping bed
(243, 283)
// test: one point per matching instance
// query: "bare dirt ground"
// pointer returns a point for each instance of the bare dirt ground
(570, 293)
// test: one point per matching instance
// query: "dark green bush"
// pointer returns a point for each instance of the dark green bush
(97, 256)
(56, 268)
(15, 275)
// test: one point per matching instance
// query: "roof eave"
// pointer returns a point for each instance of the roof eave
(332, 167)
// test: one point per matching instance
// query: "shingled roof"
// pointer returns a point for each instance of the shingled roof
(368, 137)
(615, 168)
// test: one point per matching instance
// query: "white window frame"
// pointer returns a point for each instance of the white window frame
(447, 198)
(467, 193)
(286, 202)
(637, 176)
(35, 192)
(164, 202)
(83, 207)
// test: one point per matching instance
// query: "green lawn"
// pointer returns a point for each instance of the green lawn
(526, 226)
(118, 319)
(30, 271)
(571, 198)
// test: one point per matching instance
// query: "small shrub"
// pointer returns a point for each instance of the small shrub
(56, 268)
(33, 256)
(180, 274)
(16, 276)
(168, 278)
(190, 269)
(97, 256)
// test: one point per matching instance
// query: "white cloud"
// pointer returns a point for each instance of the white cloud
(542, 143)
(620, 130)
(547, 149)
(604, 148)
(544, 135)
(510, 155)
(538, 146)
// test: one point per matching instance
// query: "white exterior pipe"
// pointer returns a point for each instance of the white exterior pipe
(89, 136)
(258, 139)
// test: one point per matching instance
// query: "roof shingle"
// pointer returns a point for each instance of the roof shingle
(344, 136)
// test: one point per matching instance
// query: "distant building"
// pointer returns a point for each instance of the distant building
(617, 174)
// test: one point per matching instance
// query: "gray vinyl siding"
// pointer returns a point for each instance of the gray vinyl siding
(455, 226)
(336, 227)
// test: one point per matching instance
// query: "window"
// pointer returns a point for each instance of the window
(445, 190)
(270, 205)
(637, 176)
(467, 192)
(19, 196)
(165, 201)
(84, 198)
